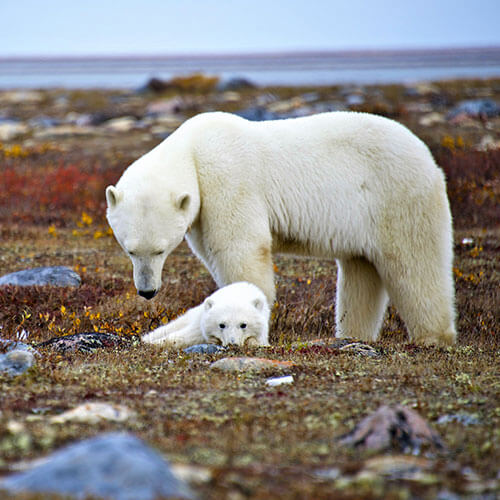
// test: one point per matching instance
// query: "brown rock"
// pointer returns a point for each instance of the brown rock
(392, 428)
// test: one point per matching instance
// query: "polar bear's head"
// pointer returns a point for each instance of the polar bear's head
(148, 225)
(237, 314)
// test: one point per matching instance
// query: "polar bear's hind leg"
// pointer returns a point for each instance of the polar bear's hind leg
(361, 300)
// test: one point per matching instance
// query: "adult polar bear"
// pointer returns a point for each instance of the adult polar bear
(353, 187)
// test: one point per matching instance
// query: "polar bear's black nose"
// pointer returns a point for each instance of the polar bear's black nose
(147, 294)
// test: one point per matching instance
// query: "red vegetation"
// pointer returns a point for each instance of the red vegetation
(473, 179)
(49, 192)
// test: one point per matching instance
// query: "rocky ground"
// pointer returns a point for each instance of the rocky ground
(288, 422)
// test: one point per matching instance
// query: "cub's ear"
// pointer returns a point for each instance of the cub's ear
(208, 304)
(258, 304)
(182, 202)
(113, 196)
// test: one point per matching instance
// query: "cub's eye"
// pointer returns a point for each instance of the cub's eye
(132, 253)
(158, 252)
(243, 326)
(222, 326)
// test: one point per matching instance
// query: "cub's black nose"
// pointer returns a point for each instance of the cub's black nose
(147, 294)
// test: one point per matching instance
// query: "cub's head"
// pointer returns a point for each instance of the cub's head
(237, 314)
(148, 224)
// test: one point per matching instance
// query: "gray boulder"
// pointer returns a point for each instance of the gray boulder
(115, 466)
(56, 275)
(476, 108)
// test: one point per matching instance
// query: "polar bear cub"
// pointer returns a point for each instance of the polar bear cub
(237, 314)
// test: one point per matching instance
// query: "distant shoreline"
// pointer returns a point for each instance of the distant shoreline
(494, 50)
(267, 69)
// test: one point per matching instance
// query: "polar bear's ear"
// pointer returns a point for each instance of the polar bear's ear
(113, 196)
(259, 305)
(183, 200)
(208, 304)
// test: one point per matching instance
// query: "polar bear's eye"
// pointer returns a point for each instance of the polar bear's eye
(243, 326)
(222, 326)
(158, 252)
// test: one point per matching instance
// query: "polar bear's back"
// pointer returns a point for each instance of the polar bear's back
(311, 152)
(316, 178)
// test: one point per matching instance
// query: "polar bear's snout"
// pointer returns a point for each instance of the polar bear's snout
(147, 277)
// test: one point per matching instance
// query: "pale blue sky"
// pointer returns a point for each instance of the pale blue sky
(102, 27)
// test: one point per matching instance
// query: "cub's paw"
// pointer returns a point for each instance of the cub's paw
(253, 342)
(153, 338)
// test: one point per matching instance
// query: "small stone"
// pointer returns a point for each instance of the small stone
(419, 107)
(15, 427)
(465, 121)
(421, 89)
(431, 119)
(488, 143)
(273, 382)
(354, 100)
(56, 276)
(192, 474)
(79, 119)
(40, 122)
(115, 466)
(230, 96)
(286, 106)
(121, 124)
(160, 131)
(204, 349)
(328, 474)
(361, 349)
(64, 131)
(461, 418)
(467, 241)
(10, 129)
(21, 97)
(168, 107)
(398, 466)
(93, 413)
(235, 364)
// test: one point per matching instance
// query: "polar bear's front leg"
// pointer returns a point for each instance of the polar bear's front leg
(250, 262)
(182, 332)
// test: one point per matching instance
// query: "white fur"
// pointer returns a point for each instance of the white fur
(353, 187)
(237, 314)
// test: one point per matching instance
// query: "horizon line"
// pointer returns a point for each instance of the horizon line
(250, 54)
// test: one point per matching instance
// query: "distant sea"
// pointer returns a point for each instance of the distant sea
(293, 69)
